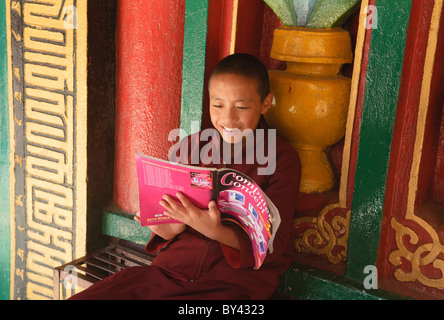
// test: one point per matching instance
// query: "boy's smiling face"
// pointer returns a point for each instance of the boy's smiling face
(235, 105)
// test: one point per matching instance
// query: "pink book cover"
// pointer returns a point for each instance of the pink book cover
(158, 177)
(239, 199)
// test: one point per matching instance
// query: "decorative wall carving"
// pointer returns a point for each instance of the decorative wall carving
(48, 82)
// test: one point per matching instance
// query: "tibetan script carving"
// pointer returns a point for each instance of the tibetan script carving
(44, 81)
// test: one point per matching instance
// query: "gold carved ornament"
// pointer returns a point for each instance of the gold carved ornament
(323, 237)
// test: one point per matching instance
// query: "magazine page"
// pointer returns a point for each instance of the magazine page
(275, 220)
(242, 198)
(157, 177)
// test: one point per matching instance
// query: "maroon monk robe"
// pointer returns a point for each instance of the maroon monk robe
(191, 266)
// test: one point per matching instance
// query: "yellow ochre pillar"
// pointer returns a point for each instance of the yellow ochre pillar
(47, 64)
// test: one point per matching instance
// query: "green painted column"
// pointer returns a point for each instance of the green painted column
(378, 116)
(193, 70)
(5, 233)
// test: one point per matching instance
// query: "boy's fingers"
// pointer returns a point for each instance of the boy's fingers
(185, 202)
(173, 209)
(169, 203)
(165, 204)
(212, 207)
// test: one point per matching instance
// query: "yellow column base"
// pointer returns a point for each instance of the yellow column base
(316, 172)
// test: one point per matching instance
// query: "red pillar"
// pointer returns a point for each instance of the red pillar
(149, 45)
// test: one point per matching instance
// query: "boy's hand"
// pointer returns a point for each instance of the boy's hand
(207, 222)
(166, 231)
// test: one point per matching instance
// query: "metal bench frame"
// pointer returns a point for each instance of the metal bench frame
(94, 267)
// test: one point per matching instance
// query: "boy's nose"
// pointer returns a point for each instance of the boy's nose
(230, 114)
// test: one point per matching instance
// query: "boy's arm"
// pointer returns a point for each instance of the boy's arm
(161, 234)
(167, 231)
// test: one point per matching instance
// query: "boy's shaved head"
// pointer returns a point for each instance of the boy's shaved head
(246, 65)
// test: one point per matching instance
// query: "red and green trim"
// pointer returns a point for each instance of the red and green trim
(378, 94)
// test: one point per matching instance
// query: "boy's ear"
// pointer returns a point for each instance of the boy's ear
(266, 105)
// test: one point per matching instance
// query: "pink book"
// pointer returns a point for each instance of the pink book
(239, 199)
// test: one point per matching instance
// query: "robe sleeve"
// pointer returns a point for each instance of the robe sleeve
(242, 258)
(283, 189)
(156, 243)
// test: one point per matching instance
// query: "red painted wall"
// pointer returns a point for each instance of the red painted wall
(149, 45)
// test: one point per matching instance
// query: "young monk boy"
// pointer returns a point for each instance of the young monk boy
(205, 257)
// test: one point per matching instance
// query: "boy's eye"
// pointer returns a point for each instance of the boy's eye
(242, 108)
(217, 106)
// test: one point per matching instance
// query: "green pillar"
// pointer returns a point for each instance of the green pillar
(378, 117)
(193, 70)
(5, 233)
